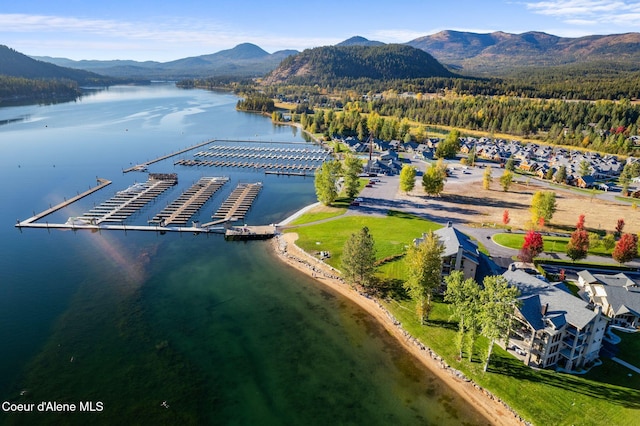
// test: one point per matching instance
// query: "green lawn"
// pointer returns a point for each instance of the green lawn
(607, 395)
(314, 217)
(392, 234)
(551, 244)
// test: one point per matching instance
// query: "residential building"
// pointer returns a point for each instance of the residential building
(552, 327)
(618, 295)
(460, 252)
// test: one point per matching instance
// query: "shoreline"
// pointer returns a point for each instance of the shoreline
(492, 408)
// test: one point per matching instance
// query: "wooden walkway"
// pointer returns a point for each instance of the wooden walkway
(185, 206)
(239, 202)
(143, 166)
(101, 184)
(127, 202)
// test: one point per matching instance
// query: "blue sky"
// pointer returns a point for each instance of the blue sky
(165, 30)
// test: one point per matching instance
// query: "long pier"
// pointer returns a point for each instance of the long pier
(143, 166)
(101, 184)
(190, 201)
(236, 206)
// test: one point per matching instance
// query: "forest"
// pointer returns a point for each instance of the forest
(17, 89)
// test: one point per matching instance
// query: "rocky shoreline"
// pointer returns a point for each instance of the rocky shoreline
(285, 248)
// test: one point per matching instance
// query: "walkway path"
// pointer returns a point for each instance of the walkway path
(626, 364)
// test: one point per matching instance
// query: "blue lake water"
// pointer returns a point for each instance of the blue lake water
(220, 331)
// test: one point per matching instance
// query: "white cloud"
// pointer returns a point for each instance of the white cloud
(590, 12)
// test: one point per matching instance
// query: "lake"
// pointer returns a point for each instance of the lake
(178, 328)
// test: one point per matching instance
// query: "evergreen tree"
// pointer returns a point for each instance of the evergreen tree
(511, 166)
(358, 258)
(407, 178)
(424, 269)
(498, 301)
(561, 175)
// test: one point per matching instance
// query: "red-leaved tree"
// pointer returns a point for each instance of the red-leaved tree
(580, 224)
(619, 228)
(531, 247)
(578, 244)
(626, 248)
(505, 217)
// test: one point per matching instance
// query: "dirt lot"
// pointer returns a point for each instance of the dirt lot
(470, 202)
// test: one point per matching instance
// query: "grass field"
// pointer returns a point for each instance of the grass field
(551, 244)
(606, 395)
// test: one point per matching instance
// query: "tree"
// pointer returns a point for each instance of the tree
(498, 301)
(549, 174)
(486, 178)
(325, 182)
(626, 248)
(585, 168)
(609, 241)
(464, 296)
(510, 165)
(407, 178)
(352, 168)
(578, 245)
(561, 175)
(619, 228)
(505, 217)
(434, 178)
(449, 147)
(543, 205)
(580, 224)
(424, 268)
(358, 258)
(471, 157)
(506, 179)
(531, 246)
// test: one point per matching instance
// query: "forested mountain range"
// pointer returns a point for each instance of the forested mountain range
(331, 64)
(244, 60)
(498, 53)
(16, 64)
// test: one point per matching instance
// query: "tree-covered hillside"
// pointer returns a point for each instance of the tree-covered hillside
(330, 64)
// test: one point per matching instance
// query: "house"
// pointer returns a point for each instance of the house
(618, 295)
(460, 253)
(585, 181)
(552, 327)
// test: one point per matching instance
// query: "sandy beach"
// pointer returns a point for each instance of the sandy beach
(493, 409)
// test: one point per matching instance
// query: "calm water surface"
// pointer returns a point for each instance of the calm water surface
(220, 331)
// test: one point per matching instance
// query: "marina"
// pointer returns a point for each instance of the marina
(236, 206)
(185, 206)
(129, 201)
(142, 167)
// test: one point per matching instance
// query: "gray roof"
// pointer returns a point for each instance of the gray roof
(453, 239)
(562, 306)
(623, 300)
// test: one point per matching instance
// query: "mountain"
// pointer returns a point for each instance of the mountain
(244, 60)
(499, 52)
(359, 41)
(389, 61)
(16, 64)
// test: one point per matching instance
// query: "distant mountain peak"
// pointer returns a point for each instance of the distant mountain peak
(359, 41)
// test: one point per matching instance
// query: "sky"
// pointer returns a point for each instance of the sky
(162, 30)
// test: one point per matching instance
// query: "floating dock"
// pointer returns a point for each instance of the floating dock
(181, 210)
(129, 201)
(101, 184)
(236, 206)
(250, 232)
(142, 167)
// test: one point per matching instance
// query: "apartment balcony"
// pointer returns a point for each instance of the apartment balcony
(566, 353)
